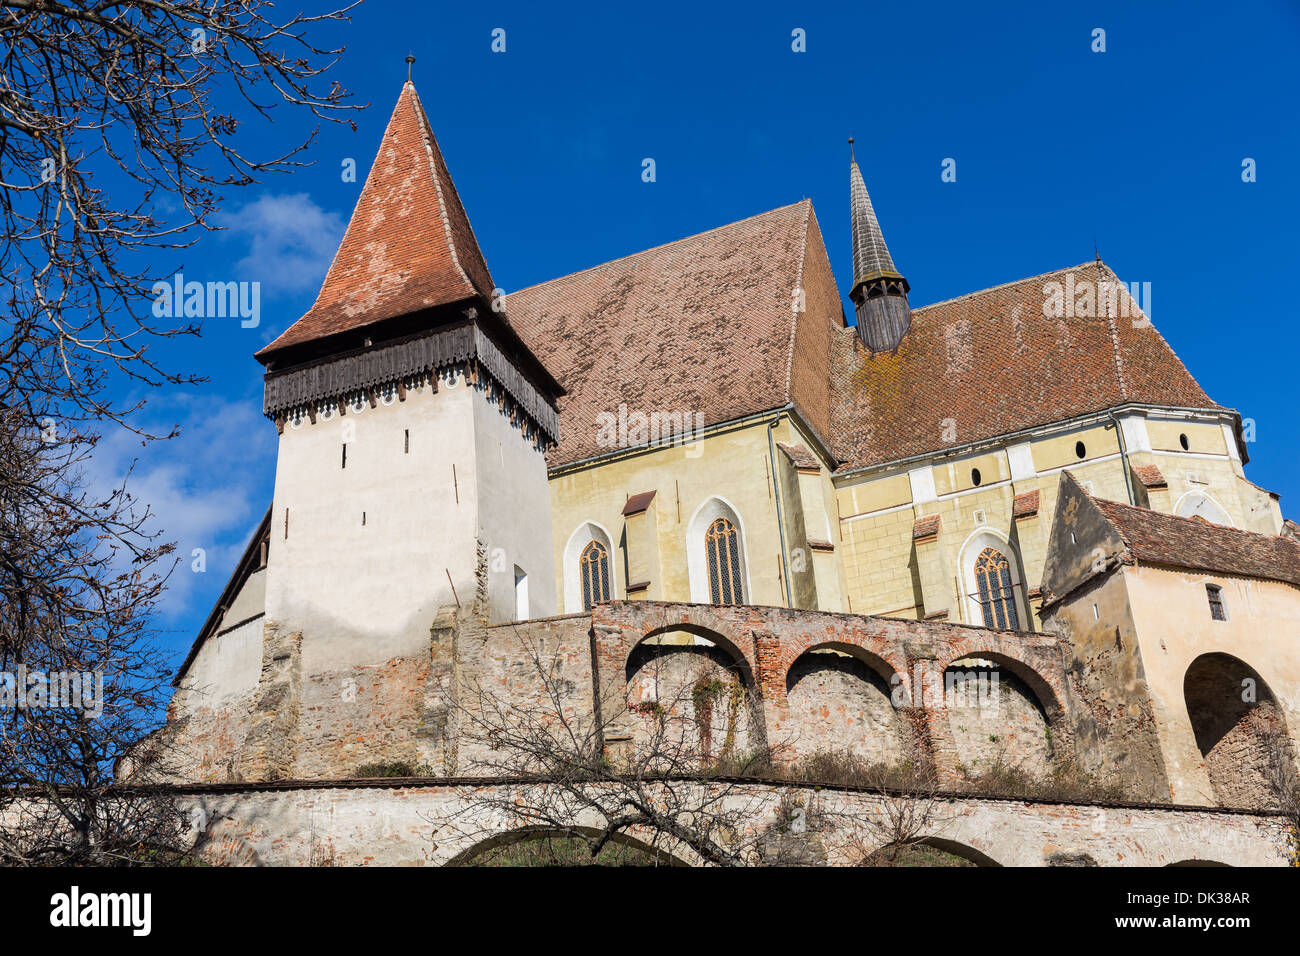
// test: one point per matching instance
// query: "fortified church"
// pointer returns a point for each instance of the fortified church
(1025, 478)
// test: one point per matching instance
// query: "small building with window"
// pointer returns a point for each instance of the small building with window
(1186, 642)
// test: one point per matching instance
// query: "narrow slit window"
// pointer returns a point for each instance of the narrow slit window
(345, 455)
(1215, 595)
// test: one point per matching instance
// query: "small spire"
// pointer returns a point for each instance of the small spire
(879, 291)
(410, 61)
(871, 257)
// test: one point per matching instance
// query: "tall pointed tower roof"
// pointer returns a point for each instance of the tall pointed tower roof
(408, 246)
(871, 259)
(879, 291)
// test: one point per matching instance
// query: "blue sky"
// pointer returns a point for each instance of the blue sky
(1138, 149)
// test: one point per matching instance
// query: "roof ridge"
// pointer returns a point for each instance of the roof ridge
(324, 282)
(1146, 513)
(1001, 285)
(798, 284)
(662, 245)
(1116, 351)
(426, 135)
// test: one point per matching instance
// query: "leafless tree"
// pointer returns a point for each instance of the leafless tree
(1283, 782)
(910, 810)
(119, 124)
(611, 773)
(81, 681)
(676, 769)
(120, 128)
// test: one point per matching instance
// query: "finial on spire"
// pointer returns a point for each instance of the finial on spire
(852, 157)
(410, 61)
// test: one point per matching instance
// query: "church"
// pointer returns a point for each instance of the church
(700, 424)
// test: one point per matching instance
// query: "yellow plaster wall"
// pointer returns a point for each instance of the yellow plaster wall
(1201, 437)
(733, 465)
(1058, 451)
(1174, 627)
(882, 576)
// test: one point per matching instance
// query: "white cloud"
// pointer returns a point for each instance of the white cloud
(291, 241)
(206, 488)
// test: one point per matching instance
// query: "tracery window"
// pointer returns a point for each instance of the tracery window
(722, 549)
(996, 590)
(593, 570)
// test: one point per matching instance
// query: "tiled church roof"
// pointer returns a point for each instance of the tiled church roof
(706, 324)
(1165, 539)
(990, 363)
(739, 320)
(408, 246)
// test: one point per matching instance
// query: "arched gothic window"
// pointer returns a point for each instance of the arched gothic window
(593, 570)
(722, 549)
(996, 592)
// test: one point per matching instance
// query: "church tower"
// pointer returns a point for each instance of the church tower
(413, 420)
(879, 290)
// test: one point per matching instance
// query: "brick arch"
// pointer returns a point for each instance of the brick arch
(833, 703)
(963, 850)
(662, 857)
(618, 628)
(734, 647)
(1233, 735)
(878, 651)
(1048, 688)
(880, 665)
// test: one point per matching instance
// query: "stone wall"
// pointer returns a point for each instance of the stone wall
(430, 823)
(996, 721)
(798, 681)
(842, 704)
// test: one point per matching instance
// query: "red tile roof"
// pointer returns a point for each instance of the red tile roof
(714, 325)
(1025, 505)
(991, 363)
(926, 527)
(1150, 476)
(408, 246)
(800, 457)
(1165, 539)
(702, 325)
(638, 503)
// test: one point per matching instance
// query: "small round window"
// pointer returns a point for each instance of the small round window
(1182, 440)
(1080, 450)
(975, 478)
